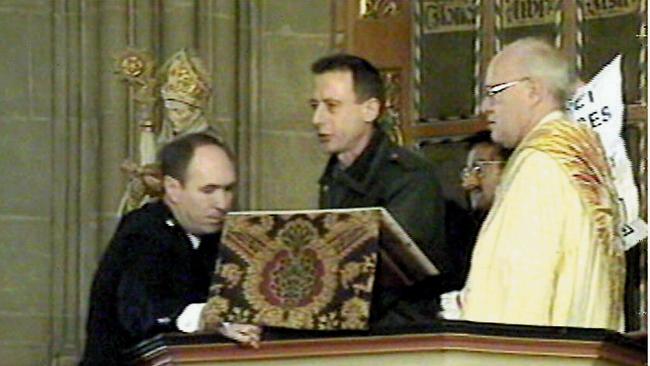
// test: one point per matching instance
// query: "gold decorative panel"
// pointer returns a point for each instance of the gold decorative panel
(376, 9)
(518, 13)
(525, 18)
(440, 16)
(603, 9)
(445, 53)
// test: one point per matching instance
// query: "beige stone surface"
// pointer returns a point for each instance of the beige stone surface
(289, 161)
(25, 267)
(26, 164)
(23, 355)
(27, 169)
(32, 328)
(22, 68)
(287, 81)
(67, 125)
(223, 69)
(178, 25)
(291, 165)
(304, 16)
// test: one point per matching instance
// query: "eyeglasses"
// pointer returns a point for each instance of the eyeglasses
(476, 169)
(492, 90)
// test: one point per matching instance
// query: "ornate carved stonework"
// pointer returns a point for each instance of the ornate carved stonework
(377, 9)
(183, 87)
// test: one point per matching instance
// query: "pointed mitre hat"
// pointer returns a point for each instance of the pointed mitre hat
(184, 79)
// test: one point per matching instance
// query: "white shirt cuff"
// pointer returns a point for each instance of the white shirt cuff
(188, 321)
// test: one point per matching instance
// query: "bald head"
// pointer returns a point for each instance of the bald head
(543, 62)
(199, 182)
(526, 81)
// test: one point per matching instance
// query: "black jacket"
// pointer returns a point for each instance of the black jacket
(406, 185)
(147, 276)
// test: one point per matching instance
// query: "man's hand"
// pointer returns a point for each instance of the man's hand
(452, 305)
(245, 334)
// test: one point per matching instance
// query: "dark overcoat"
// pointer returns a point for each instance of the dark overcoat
(406, 185)
(148, 274)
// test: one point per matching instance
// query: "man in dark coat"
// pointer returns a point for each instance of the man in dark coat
(162, 256)
(367, 169)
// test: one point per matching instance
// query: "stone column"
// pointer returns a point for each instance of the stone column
(179, 26)
(76, 171)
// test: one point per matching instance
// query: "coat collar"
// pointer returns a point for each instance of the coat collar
(163, 211)
(364, 169)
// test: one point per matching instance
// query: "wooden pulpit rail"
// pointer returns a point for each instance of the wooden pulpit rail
(599, 345)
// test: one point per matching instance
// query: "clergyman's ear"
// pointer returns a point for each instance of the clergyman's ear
(172, 188)
(536, 90)
(371, 109)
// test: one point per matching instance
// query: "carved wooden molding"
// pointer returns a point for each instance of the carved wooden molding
(378, 9)
(392, 118)
(597, 349)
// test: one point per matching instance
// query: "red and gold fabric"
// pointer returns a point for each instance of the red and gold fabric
(312, 270)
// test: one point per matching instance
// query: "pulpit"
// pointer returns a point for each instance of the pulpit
(439, 343)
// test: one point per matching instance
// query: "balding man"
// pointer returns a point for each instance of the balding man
(160, 262)
(549, 252)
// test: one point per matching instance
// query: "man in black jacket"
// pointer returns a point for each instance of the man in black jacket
(367, 169)
(162, 256)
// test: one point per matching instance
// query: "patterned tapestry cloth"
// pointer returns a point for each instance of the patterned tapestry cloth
(300, 269)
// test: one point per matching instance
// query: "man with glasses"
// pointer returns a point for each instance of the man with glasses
(548, 252)
(481, 174)
(479, 179)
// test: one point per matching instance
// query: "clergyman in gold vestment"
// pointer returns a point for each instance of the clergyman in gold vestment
(549, 252)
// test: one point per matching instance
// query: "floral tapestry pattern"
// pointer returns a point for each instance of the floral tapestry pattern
(311, 270)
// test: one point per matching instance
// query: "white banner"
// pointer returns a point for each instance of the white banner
(599, 105)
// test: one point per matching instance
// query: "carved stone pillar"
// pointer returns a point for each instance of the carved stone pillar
(94, 124)
(76, 173)
(178, 26)
(248, 114)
